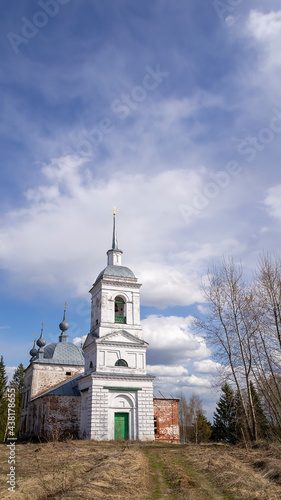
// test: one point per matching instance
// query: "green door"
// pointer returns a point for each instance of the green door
(121, 426)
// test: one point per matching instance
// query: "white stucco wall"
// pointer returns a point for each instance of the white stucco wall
(108, 395)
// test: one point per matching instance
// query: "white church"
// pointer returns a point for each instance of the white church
(101, 391)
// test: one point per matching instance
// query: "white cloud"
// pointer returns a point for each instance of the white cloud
(79, 340)
(272, 201)
(266, 30)
(190, 381)
(164, 284)
(177, 357)
(166, 371)
(171, 340)
(10, 371)
(206, 366)
(265, 27)
(59, 240)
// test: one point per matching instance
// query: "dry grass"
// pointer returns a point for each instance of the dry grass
(113, 470)
(77, 469)
(242, 474)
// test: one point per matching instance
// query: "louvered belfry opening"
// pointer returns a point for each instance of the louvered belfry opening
(120, 313)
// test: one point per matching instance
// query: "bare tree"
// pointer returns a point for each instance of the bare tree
(193, 423)
(267, 340)
(230, 325)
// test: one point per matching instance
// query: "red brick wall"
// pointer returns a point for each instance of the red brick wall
(52, 417)
(166, 413)
(61, 415)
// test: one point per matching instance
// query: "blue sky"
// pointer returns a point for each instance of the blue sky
(169, 110)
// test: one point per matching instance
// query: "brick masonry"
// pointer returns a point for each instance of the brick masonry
(166, 420)
(52, 417)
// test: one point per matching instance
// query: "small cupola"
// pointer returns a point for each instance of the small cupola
(33, 351)
(63, 326)
(41, 342)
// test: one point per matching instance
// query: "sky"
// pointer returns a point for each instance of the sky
(170, 111)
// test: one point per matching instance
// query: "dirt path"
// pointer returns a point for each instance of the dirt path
(173, 476)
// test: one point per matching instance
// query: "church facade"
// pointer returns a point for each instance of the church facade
(102, 391)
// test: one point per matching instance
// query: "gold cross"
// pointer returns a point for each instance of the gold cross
(42, 324)
(65, 304)
(34, 336)
(114, 211)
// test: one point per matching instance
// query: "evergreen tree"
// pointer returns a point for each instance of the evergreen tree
(262, 422)
(3, 399)
(194, 426)
(3, 379)
(225, 417)
(18, 384)
(201, 428)
(18, 378)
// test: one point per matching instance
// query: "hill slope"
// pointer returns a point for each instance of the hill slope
(86, 469)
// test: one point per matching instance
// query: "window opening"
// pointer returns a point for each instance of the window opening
(119, 307)
(121, 362)
(155, 425)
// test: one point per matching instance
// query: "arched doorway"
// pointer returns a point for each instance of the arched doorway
(122, 416)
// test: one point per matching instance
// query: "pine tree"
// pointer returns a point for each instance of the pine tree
(194, 426)
(262, 422)
(201, 428)
(3, 399)
(225, 421)
(18, 384)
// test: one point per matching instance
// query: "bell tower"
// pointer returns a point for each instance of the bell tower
(115, 302)
(115, 387)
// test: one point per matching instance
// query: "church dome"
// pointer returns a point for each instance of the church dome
(116, 272)
(60, 353)
(64, 353)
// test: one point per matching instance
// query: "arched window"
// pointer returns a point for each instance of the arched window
(121, 362)
(119, 305)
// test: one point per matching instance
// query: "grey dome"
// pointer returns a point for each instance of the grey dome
(63, 353)
(41, 342)
(33, 351)
(116, 272)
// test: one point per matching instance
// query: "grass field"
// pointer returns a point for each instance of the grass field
(115, 470)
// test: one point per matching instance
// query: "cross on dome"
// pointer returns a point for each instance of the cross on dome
(114, 209)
